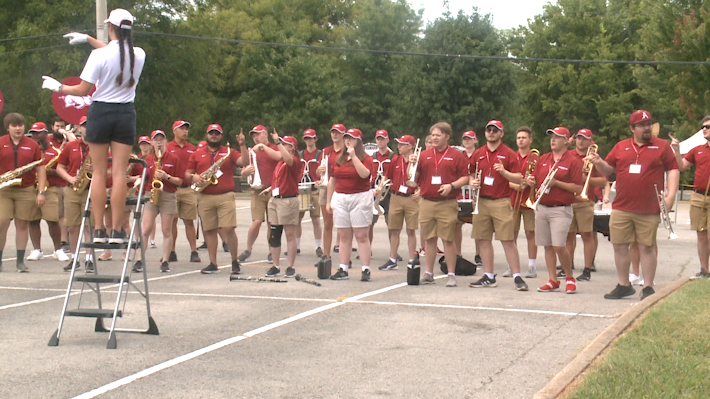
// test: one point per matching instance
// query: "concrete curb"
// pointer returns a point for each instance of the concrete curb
(579, 364)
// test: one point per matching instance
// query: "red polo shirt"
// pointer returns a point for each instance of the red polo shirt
(313, 163)
(379, 159)
(397, 173)
(286, 177)
(348, 181)
(169, 166)
(53, 181)
(183, 155)
(634, 188)
(73, 156)
(569, 170)
(27, 151)
(450, 165)
(595, 173)
(522, 167)
(332, 157)
(202, 159)
(266, 165)
(485, 158)
(700, 156)
(53, 141)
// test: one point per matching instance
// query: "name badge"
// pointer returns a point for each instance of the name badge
(218, 174)
(635, 168)
(436, 180)
(275, 192)
(488, 180)
(403, 189)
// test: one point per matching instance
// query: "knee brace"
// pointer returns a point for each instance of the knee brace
(275, 236)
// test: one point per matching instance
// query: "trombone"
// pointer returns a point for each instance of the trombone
(530, 164)
(588, 166)
(542, 190)
(665, 217)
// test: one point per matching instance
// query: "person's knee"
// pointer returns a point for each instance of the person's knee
(275, 235)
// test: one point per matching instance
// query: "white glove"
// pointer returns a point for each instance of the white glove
(51, 84)
(76, 37)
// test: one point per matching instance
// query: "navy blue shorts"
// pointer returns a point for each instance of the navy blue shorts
(107, 122)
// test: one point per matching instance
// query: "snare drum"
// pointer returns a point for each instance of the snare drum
(304, 196)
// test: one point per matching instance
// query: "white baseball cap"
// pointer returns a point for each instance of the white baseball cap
(121, 18)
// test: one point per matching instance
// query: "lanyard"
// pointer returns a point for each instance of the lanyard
(638, 152)
(212, 155)
(490, 165)
(404, 171)
(436, 163)
(14, 149)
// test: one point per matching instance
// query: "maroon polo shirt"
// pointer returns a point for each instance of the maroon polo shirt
(486, 159)
(569, 170)
(449, 164)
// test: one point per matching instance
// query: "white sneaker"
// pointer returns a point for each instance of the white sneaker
(152, 244)
(507, 273)
(635, 280)
(36, 254)
(60, 255)
(532, 272)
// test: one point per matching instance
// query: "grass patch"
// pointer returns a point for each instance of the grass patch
(665, 355)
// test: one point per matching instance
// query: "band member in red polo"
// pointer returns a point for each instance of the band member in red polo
(469, 142)
(284, 204)
(441, 172)
(381, 164)
(259, 200)
(640, 163)
(524, 138)
(495, 161)
(18, 199)
(330, 153)
(60, 135)
(216, 201)
(699, 198)
(186, 198)
(404, 205)
(553, 215)
(311, 158)
(350, 200)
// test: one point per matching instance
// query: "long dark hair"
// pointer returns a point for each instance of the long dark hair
(359, 152)
(125, 36)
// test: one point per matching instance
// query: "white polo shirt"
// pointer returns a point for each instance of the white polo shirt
(102, 68)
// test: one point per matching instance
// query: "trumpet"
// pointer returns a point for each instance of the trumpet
(156, 186)
(542, 190)
(412, 168)
(476, 193)
(530, 164)
(324, 178)
(384, 188)
(588, 166)
(665, 217)
(255, 179)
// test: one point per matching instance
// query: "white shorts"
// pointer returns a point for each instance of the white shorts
(352, 210)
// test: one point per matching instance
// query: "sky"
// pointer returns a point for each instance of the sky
(506, 14)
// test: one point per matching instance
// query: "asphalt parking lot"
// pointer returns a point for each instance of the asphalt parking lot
(345, 339)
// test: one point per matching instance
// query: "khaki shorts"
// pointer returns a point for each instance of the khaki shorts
(186, 203)
(528, 219)
(73, 206)
(627, 227)
(18, 203)
(259, 203)
(352, 210)
(60, 201)
(403, 209)
(698, 218)
(217, 210)
(438, 218)
(167, 204)
(314, 211)
(552, 224)
(283, 211)
(493, 215)
(50, 210)
(583, 219)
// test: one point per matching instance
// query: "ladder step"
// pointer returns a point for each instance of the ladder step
(134, 245)
(130, 200)
(100, 278)
(92, 313)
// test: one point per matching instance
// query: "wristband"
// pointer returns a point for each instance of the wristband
(42, 192)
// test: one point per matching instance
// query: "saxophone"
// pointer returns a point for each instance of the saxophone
(14, 177)
(83, 176)
(209, 175)
(157, 184)
(53, 161)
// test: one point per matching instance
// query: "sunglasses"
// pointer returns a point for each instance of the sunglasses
(212, 132)
(492, 129)
(705, 127)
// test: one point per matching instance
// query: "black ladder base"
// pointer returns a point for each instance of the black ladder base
(101, 278)
(54, 341)
(134, 245)
(108, 313)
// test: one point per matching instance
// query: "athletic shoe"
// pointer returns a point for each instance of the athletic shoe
(225, 247)
(389, 265)
(244, 255)
(549, 286)
(520, 284)
(138, 267)
(36, 254)
(105, 256)
(586, 275)
(152, 244)
(319, 252)
(635, 280)
(298, 251)
(570, 286)
(210, 269)
(165, 267)
(203, 246)
(477, 260)
(561, 273)
(700, 275)
(594, 267)
(439, 251)
(646, 292)
(417, 262)
(60, 255)
(427, 279)
(336, 249)
(365, 275)
(399, 258)
(65, 247)
(270, 258)
(620, 291)
(194, 257)
(484, 282)
(172, 257)
(532, 272)
(89, 266)
(507, 273)
(68, 267)
(340, 275)
(100, 236)
(273, 272)
(236, 267)
(117, 237)
(451, 282)
(21, 268)
(421, 252)
(290, 272)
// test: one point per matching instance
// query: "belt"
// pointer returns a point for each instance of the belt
(701, 192)
(438, 199)
(554, 206)
(401, 195)
(491, 198)
(285, 196)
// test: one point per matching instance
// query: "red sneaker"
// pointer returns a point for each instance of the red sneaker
(439, 251)
(570, 286)
(550, 286)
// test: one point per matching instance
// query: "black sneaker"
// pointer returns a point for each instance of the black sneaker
(700, 275)
(172, 257)
(65, 247)
(319, 252)
(594, 267)
(561, 273)
(236, 267)
(137, 267)
(117, 237)
(416, 260)
(340, 275)
(203, 246)
(89, 266)
(477, 261)
(225, 247)
(194, 257)
(290, 272)
(646, 292)
(365, 276)
(586, 275)
(620, 291)
(100, 236)
(210, 269)
(559, 267)
(389, 265)
(336, 249)
(68, 267)
(165, 267)
(270, 258)
(298, 251)
(273, 272)
(520, 284)
(399, 258)
(484, 282)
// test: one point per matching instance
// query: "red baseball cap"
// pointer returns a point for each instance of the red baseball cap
(470, 134)
(495, 123)
(201, 144)
(406, 139)
(214, 126)
(640, 116)
(177, 124)
(258, 129)
(157, 132)
(82, 120)
(338, 127)
(354, 133)
(309, 133)
(586, 133)
(559, 131)
(382, 133)
(289, 140)
(143, 139)
(38, 127)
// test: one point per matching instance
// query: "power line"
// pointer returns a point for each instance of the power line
(32, 49)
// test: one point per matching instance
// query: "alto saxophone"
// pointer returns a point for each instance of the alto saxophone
(53, 161)
(14, 177)
(156, 186)
(83, 176)
(209, 176)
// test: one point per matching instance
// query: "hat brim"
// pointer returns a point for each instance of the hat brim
(351, 136)
(183, 124)
(551, 132)
(398, 141)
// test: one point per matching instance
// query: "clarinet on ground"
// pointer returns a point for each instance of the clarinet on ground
(307, 280)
